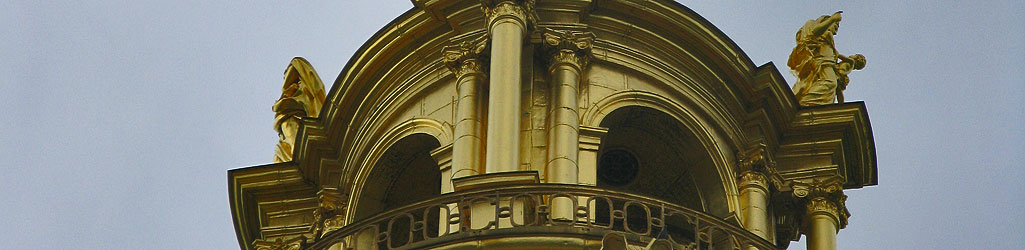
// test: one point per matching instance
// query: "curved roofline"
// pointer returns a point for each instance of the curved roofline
(376, 37)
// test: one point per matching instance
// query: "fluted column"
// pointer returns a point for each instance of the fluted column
(465, 61)
(507, 26)
(825, 213)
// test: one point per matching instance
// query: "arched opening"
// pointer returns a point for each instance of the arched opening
(651, 153)
(404, 174)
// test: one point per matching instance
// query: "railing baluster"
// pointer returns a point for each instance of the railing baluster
(527, 206)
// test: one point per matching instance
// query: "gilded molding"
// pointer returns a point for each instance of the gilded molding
(292, 244)
(330, 213)
(467, 57)
(520, 12)
(572, 48)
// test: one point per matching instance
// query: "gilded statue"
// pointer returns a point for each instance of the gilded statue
(821, 71)
(301, 95)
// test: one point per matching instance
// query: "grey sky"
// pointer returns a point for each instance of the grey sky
(122, 117)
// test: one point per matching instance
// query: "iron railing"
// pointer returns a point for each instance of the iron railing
(527, 209)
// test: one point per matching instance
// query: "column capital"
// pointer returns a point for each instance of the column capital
(467, 57)
(520, 12)
(753, 179)
(756, 161)
(571, 48)
(279, 244)
(330, 212)
(825, 198)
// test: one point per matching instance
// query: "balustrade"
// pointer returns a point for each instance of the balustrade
(597, 211)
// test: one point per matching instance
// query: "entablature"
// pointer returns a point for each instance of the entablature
(270, 202)
(829, 141)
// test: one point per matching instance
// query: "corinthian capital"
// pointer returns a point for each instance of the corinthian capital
(466, 57)
(757, 161)
(291, 244)
(753, 179)
(568, 47)
(517, 11)
(330, 212)
(824, 198)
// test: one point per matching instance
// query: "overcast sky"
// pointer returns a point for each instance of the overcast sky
(121, 118)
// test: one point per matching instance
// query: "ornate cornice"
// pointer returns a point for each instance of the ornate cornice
(516, 11)
(572, 48)
(467, 57)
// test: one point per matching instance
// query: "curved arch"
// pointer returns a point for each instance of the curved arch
(710, 139)
(430, 127)
(675, 22)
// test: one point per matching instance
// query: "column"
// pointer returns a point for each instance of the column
(754, 201)
(507, 26)
(822, 221)
(825, 213)
(465, 61)
(568, 53)
(755, 169)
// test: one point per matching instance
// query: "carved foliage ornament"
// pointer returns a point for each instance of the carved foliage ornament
(571, 48)
(330, 213)
(757, 168)
(519, 11)
(292, 244)
(753, 179)
(824, 198)
(466, 57)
